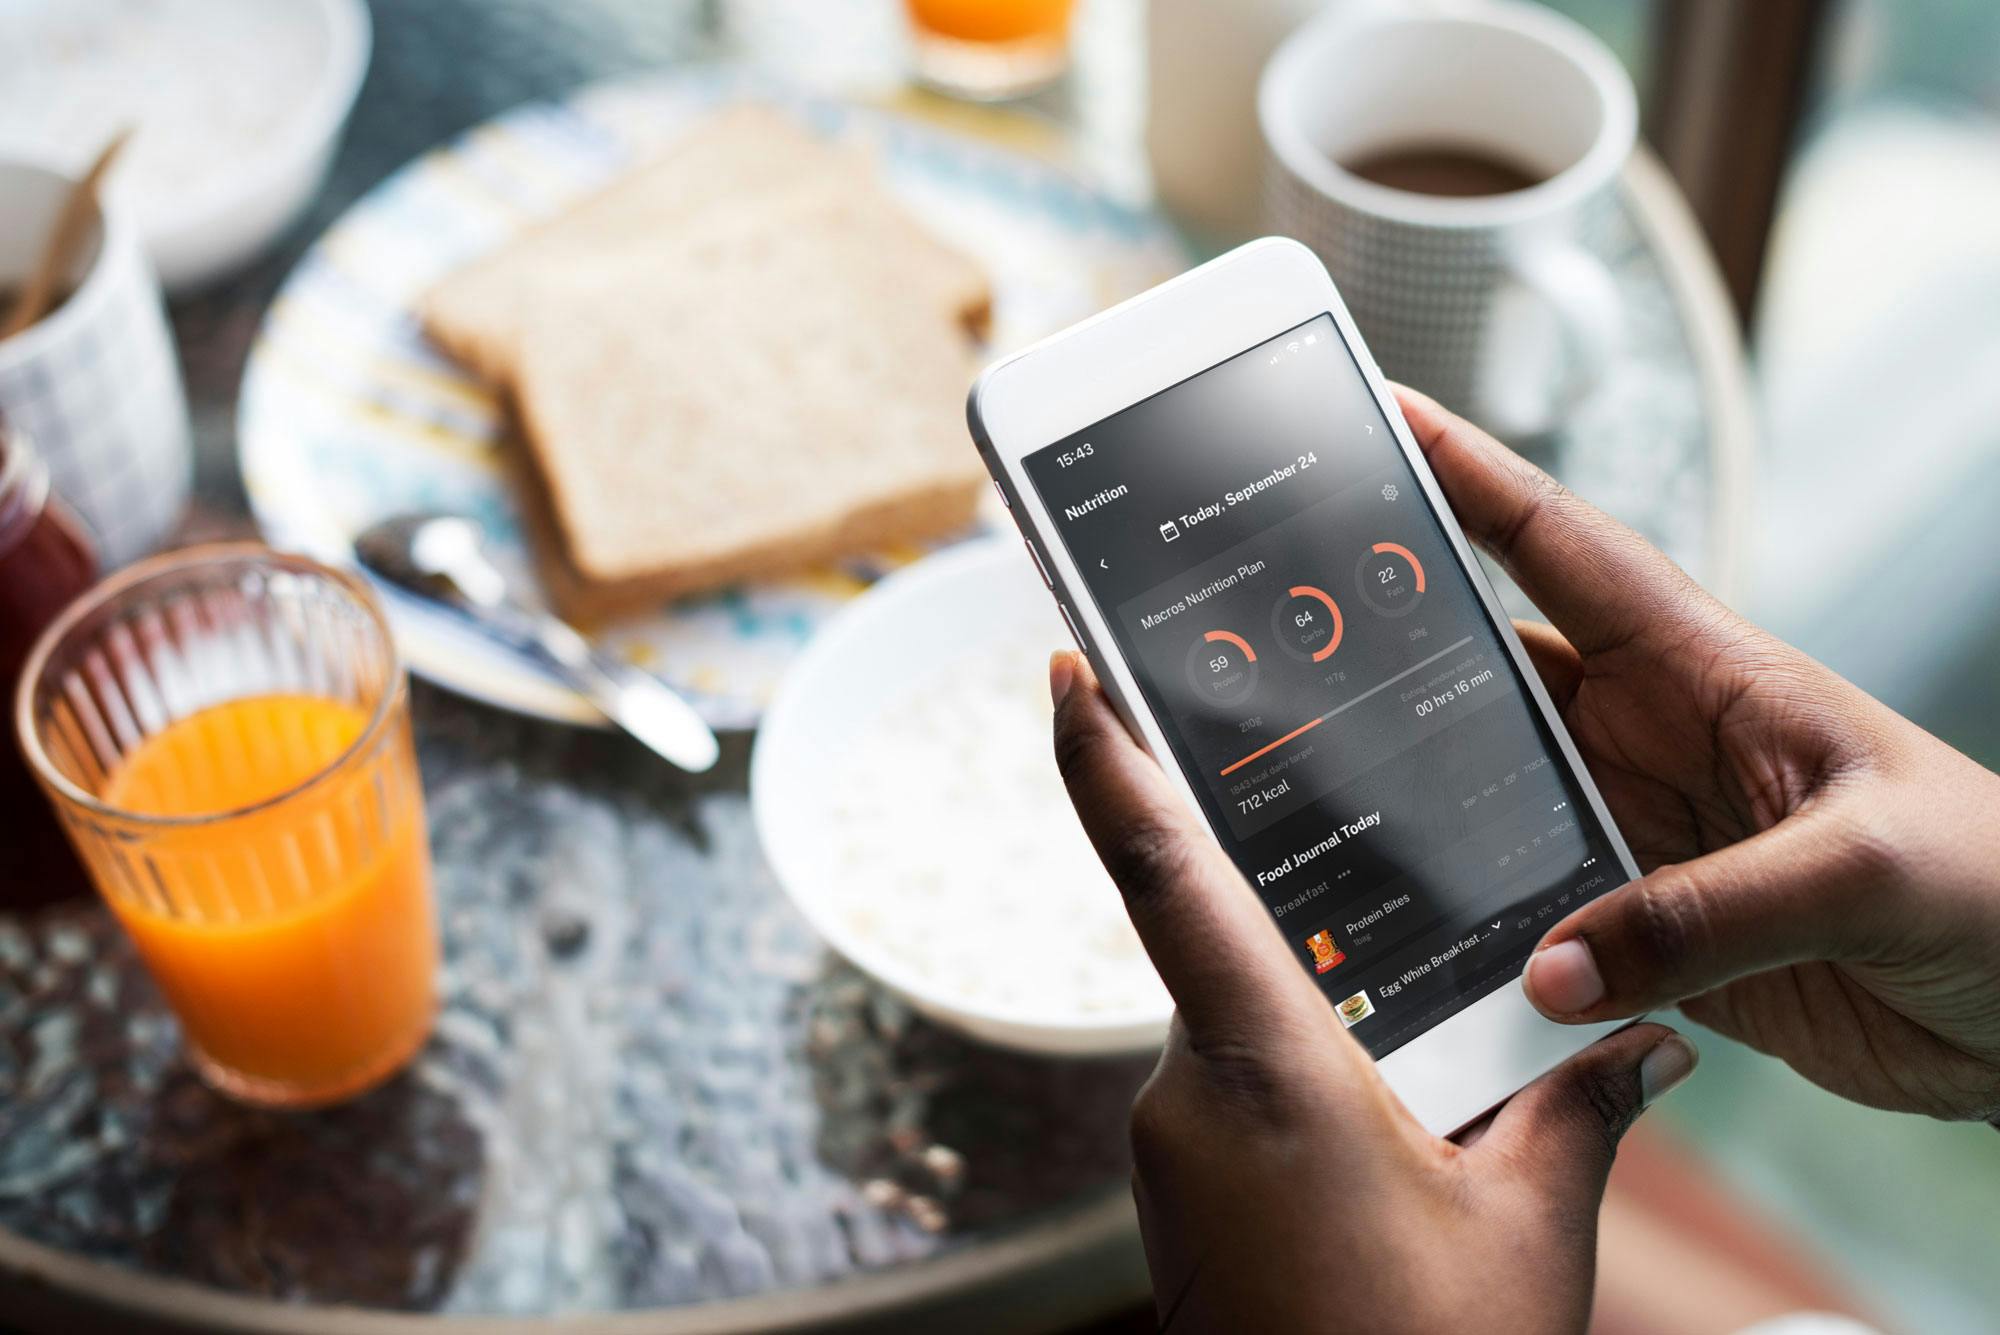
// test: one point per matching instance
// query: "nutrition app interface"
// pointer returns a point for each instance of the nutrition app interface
(1328, 679)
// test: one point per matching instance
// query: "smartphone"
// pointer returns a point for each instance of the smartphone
(1219, 489)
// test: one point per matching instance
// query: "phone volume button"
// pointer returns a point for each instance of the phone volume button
(1074, 633)
(1036, 557)
(1001, 492)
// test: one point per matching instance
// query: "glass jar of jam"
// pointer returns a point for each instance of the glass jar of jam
(45, 562)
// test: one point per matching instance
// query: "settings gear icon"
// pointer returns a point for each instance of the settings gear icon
(1389, 492)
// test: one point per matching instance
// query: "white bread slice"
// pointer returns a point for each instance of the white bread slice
(689, 438)
(741, 360)
(730, 188)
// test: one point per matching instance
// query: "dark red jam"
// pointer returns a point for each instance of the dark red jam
(45, 562)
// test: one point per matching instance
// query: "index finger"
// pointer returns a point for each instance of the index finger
(1211, 939)
(1600, 583)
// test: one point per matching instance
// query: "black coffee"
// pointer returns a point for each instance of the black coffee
(9, 295)
(1441, 171)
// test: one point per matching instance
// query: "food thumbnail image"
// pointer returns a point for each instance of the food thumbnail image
(1355, 1009)
(1324, 952)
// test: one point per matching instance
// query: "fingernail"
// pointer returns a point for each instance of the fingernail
(1062, 671)
(1563, 978)
(1669, 1063)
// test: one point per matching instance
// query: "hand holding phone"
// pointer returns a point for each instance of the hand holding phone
(1230, 510)
(1268, 1152)
(1820, 884)
(1823, 876)
(1234, 512)
(1680, 705)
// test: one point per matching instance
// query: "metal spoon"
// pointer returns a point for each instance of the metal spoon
(442, 557)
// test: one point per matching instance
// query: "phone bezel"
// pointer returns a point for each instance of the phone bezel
(1455, 1072)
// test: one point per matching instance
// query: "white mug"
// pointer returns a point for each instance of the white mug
(1491, 303)
(95, 383)
(1203, 60)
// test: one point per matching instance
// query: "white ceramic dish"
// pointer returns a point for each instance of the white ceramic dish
(87, 70)
(921, 622)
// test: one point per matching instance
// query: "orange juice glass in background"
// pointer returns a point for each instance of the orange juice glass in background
(990, 48)
(225, 734)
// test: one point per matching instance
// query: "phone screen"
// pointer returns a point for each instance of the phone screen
(1328, 679)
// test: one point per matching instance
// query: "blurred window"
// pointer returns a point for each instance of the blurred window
(1879, 358)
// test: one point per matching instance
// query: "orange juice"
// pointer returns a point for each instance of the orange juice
(290, 926)
(993, 20)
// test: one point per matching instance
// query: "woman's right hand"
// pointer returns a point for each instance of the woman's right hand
(1823, 876)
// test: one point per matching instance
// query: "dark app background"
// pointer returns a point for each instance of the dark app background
(1328, 679)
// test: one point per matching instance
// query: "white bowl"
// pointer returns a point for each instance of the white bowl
(199, 225)
(914, 625)
(223, 231)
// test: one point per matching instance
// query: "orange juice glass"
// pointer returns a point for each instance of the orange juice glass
(989, 49)
(225, 735)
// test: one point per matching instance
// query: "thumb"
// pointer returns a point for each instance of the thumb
(1213, 943)
(1798, 891)
(1600, 583)
(1565, 1127)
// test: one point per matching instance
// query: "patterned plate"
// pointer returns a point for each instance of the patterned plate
(348, 415)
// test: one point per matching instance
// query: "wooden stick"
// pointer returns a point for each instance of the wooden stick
(65, 239)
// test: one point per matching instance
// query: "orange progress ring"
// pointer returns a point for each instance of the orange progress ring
(1237, 640)
(1408, 555)
(1339, 626)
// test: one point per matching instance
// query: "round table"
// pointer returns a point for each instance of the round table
(653, 1102)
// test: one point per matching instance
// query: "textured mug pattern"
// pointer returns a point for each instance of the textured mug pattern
(1423, 296)
(97, 387)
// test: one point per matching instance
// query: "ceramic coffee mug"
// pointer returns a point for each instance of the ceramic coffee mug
(1490, 303)
(95, 382)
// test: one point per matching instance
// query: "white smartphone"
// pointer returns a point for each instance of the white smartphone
(1249, 546)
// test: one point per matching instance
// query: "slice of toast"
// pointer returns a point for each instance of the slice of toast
(689, 437)
(729, 189)
(740, 360)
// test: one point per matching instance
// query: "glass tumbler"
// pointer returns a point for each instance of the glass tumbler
(990, 49)
(224, 732)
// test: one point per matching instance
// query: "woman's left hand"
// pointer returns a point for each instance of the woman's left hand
(1281, 1186)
